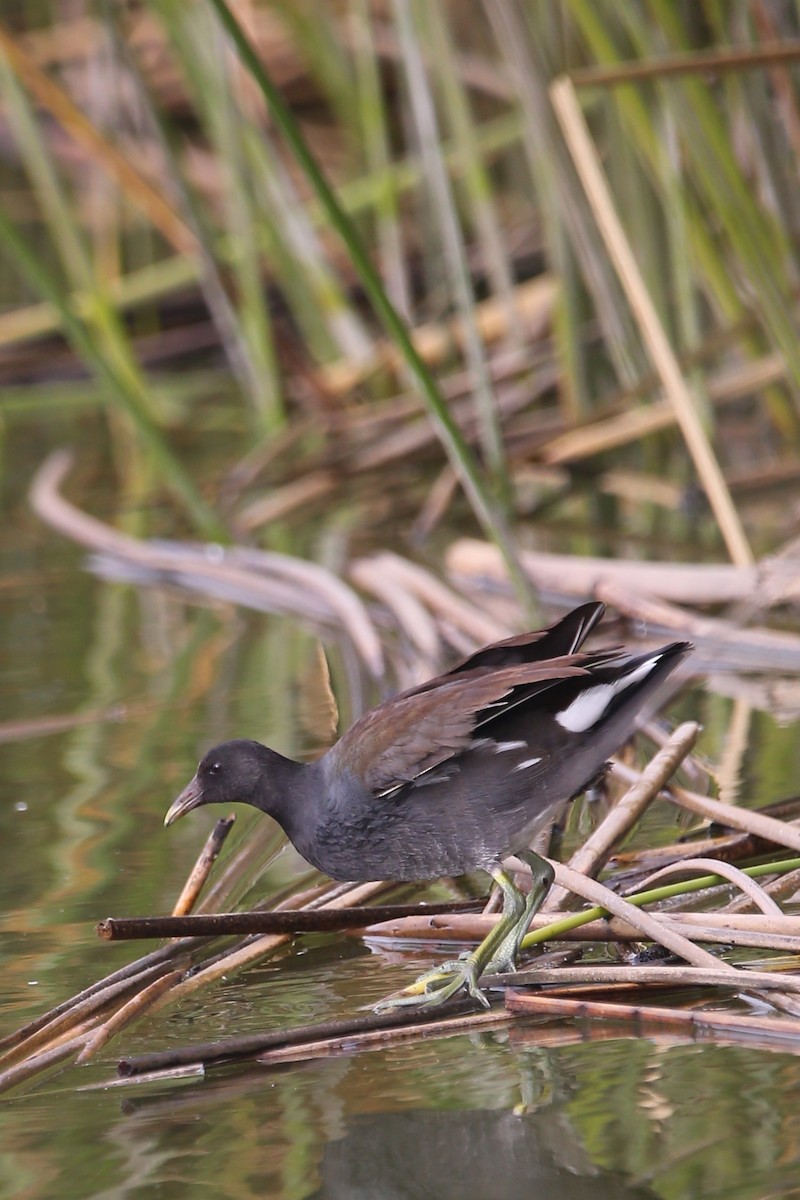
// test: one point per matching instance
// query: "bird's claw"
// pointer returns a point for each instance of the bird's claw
(439, 985)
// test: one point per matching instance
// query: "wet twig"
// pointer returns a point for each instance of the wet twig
(457, 1015)
(202, 868)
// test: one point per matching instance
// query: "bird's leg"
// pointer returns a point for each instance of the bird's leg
(497, 952)
(504, 958)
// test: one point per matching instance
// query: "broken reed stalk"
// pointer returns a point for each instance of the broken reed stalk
(555, 928)
(37, 1063)
(755, 894)
(659, 930)
(727, 848)
(472, 1022)
(725, 929)
(254, 949)
(590, 170)
(202, 868)
(286, 921)
(41, 1042)
(382, 1029)
(73, 1027)
(129, 1012)
(652, 927)
(703, 1021)
(600, 975)
(594, 852)
(784, 885)
(779, 832)
(228, 961)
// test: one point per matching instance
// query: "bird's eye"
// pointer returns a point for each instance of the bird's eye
(214, 769)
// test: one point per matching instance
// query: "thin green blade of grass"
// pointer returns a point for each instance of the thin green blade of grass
(315, 36)
(69, 241)
(158, 280)
(253, 309)
(284, 232)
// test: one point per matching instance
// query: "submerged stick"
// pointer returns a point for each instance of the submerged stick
(249, 1047)
(79, 1011)
(117, 929)
(163, 954)
(325, 1047)
(128, 1012)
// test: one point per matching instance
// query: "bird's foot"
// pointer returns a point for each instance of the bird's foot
(496, 954)
(439, 985)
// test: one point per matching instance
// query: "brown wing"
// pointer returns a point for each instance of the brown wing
(417, 731)
(541, 646)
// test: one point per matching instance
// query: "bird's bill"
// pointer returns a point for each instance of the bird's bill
(191, 797)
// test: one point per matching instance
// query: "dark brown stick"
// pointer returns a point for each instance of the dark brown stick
(250, 1047)
(327, 1047)
(116, 929)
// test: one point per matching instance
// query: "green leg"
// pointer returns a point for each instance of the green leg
(496, 953)
(504, 957)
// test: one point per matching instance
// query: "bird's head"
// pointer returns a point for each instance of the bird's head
(232, 771)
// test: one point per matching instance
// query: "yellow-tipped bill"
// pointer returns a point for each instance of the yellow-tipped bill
(191, 797)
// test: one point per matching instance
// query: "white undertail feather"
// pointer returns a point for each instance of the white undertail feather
(587, 709)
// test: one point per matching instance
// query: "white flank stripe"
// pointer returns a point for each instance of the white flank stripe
(529, 762)
(588, 708)
(502, 747)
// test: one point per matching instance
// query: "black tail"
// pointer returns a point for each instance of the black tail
(564, 636)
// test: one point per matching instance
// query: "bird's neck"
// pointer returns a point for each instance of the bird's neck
(285, 789)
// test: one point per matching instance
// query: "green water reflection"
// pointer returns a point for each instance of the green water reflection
(474, 1117)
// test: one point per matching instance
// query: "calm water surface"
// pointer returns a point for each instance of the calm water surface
(151, 679)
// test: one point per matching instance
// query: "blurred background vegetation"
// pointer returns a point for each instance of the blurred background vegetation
(169, 266)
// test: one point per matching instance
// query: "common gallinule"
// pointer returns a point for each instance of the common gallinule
(453, 774)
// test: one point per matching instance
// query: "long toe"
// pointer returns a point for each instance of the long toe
(437, 986)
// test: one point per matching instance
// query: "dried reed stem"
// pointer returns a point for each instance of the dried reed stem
(202, 868)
